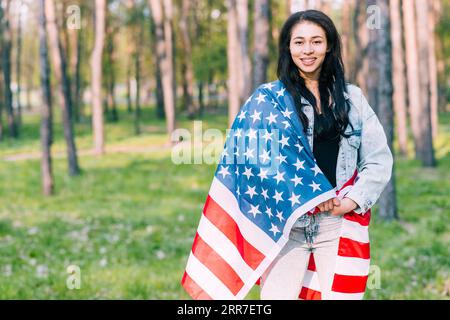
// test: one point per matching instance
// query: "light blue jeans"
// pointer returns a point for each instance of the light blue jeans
(284, 277)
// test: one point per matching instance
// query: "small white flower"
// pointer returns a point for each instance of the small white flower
(42, 271)
(181, 218)
(150, 229)
(160, 254)
(7, 270)
(103, 262)
(32, 261)
(33, 230)
(103, 250)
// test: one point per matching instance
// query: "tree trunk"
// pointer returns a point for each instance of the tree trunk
(424, 124)
(137, 64)
(245, 82)
(418, 104)
(46, 111)
(163, 32)
(234, 67)
(6, 67)
(110, 81)
(347, 8)
(60, 69)
(188, 69)
(361, 39)
(18, 65)
(399, 79)
(433, 71)
(261, 42)
(380, 94)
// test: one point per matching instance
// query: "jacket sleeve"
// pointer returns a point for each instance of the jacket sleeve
(375, 160)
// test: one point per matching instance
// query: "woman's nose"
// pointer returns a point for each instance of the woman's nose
(307, 48)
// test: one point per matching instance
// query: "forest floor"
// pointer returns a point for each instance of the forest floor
(128, 221)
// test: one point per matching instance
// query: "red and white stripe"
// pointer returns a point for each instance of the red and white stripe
(351, 270)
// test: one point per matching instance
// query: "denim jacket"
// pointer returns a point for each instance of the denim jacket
(366, 150)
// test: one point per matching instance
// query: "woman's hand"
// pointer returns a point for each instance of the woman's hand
(329, 204)
(345, 206)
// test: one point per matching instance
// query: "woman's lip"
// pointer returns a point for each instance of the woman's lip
(308, 61)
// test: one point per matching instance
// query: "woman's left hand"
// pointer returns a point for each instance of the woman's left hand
(345, 206)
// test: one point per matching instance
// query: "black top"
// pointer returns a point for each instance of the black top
(326, 144)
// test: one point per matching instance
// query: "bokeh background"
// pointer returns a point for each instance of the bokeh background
(92, 94)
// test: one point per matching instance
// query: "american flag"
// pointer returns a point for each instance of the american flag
(267, 178)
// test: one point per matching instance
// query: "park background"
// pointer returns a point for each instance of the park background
(91, 92)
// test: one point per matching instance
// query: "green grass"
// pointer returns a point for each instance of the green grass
(129, 220)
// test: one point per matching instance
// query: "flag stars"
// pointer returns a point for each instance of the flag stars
(251, 134)
(249, 153)
(269, 86)
(274, 229)
(281, 158)
(280, 216)
(280, 93)
(315, 186)
(297, 180)
(263, 174)
(316, 170)
(284, 141)
(265, 156)
(260, 98)
(248, 173)
(269, 212)
(264, 194)
(299, 147)
(299, 164)
(278, 196)
(256, 116)
(267, 136)
(272, 118)
(242, 115)
(294, 199)
(287, 113)
(254, 210)
(251, 191)
(224, 172)
(279, 176)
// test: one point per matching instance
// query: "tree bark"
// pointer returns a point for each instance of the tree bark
(234, 67)
(433, 71)
(6, 44)
(18, 65)
(46, 111)
(96, 78)
(60, 69)
(424, 124)
(361, 39)
(245, 82)
(188, 69)
(163, 32)
(399, 79)
(384, 89)
(261, 42)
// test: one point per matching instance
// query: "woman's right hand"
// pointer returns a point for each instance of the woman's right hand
(329, 204)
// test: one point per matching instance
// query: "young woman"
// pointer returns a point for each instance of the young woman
(344, 134)
(304, 161)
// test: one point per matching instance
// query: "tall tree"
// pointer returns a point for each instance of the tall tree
(161, 13)
(398, 77)
(109, 66)
(423, 42)
(46, 110)
(380, 94)
(6, 45)
(19, 62)
(361, 40)
(187, 67)
(96, 77)
(433, 69)
(261, 26)
(245, 81)
(419, 111)
(62, 78)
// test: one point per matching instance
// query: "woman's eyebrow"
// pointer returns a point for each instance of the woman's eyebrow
(299, 37)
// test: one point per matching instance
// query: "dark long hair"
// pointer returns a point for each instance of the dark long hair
(331, 79)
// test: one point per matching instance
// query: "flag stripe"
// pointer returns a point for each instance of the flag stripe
(217, 265)
(311, 280)
(222, 221)
(254, 235)
(352, 266)
(207, 280)
(354, 231)
(194, 290)
(353, 248)
(349, 284)
(311, 263)
(309, 294)
(223, 247)
(362, 219)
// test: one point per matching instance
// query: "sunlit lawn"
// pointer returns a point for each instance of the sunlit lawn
(129, 220)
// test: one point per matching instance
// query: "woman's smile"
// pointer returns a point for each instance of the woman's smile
(309, 61)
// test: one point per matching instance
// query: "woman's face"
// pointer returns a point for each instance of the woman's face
(308, 48)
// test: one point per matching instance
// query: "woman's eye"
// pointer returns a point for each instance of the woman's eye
(317, 42)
